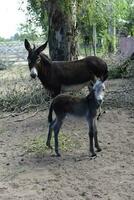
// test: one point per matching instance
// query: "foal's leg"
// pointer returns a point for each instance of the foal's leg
(91, 135)
(48, 143)
(95, 136)
(56, 127)
(101, 112)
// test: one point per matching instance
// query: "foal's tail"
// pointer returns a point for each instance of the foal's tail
(50, 118)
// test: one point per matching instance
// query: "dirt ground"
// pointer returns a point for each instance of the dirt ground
(29, 174)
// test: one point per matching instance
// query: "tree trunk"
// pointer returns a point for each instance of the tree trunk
(62, 30)
(111, 30)
(114, 35)
(94, 39)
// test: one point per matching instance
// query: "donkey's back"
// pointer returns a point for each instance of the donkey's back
(98, 67)
(80, 71)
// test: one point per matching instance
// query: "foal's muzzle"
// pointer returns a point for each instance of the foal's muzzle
(99, 101)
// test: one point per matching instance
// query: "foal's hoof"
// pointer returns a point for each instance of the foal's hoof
(98, 118)
(58, 155)
(49, 146)
(93, 156)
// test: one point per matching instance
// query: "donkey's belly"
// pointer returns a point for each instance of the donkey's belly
(70, 88)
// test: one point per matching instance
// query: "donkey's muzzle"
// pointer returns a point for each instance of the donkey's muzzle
(33, 72)
(33, 75)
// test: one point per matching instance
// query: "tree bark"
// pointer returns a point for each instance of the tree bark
(111, 30)
(62, 30)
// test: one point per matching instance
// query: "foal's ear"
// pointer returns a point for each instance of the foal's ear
(90, 86)
(27, 45)
(41, 48)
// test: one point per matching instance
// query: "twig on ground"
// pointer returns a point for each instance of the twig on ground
(19, 120)
(13, 115)
(28, 106)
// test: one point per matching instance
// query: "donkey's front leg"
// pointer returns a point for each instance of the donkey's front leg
(96, 137)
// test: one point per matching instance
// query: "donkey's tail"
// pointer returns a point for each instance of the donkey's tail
(50, 118)
(105, 76)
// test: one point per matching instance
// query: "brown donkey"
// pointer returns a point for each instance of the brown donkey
(56, 76)
(81, 107)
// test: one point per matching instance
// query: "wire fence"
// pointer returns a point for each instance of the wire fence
(11, 53)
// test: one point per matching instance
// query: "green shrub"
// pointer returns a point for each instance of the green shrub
(115, 73)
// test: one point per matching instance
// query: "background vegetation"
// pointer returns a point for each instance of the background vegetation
(99, 22)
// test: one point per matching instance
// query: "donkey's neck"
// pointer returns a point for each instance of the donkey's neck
(44, 68)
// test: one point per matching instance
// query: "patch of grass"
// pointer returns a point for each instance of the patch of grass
(38, 144)
(68, 143)
(2, 131)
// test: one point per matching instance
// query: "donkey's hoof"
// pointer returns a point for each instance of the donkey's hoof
(99, 149)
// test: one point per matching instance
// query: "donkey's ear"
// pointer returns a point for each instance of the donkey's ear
(27, 45)
(41, 48)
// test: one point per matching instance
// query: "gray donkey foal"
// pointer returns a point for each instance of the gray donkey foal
(81, 107)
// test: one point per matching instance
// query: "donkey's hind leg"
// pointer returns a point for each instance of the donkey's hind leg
(48, 143)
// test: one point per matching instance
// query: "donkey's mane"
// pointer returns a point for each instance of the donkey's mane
(45, 59)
